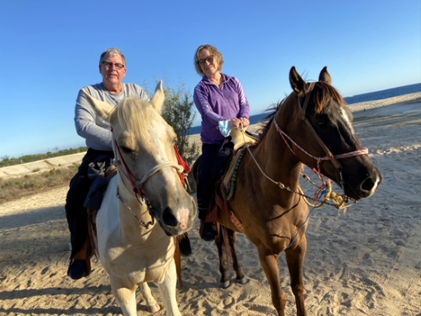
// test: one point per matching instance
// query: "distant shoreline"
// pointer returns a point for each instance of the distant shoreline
(355, 107)
(368, 105)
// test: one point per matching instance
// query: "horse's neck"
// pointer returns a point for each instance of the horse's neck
(276, 159)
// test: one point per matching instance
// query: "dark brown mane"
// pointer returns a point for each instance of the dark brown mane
(268, 120)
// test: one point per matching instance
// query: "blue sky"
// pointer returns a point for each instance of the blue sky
(50, 49)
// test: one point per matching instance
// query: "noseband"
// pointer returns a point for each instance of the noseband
(138, 185)
(329, 156)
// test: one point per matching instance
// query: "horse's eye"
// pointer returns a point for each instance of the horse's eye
(126, 150)
(322, 120)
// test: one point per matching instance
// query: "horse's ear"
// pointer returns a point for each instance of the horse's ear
(325, 76)
(102, 108)
(159, 97)
(297, 83)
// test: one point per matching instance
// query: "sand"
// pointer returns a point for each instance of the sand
(364, 262)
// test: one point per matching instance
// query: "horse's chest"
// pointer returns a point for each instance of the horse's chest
(138, 263)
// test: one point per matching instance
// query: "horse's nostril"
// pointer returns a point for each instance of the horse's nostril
(367, 185)
(168, 218)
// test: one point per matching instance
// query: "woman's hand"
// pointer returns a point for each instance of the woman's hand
(245, 121)
(239, 123)
(235, 123)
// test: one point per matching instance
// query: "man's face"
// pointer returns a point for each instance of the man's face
(113, 69)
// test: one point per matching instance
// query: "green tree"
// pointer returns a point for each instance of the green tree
(179, 113)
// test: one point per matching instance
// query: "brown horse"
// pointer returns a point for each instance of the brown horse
(312, 126)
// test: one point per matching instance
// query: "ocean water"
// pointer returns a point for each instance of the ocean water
(384, 94)
(365, 97)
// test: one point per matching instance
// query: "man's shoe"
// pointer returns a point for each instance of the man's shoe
(78, 269)
(184, 243)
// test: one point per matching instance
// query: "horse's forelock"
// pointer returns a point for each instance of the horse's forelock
(134, 115)
(322, 94)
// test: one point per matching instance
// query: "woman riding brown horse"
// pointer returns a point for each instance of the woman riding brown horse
(312, 126)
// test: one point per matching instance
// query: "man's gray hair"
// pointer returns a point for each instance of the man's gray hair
(112, 52)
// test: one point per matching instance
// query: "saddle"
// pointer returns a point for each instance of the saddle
(242, 137)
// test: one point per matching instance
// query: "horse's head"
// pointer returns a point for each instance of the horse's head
(318, 128)
(147, 161)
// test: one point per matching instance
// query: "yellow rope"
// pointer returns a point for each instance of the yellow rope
(338, 200)
(330, 196)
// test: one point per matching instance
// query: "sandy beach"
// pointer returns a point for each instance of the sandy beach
(364, 262)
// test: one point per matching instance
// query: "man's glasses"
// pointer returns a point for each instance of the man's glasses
(203, 61)
(109, 65)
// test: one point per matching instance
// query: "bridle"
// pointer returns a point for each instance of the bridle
(137, 186)
(329, 156)
(340, 201)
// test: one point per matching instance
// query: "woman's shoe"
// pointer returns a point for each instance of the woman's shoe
(207, 231)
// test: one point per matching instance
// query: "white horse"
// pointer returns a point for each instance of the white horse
(147, 191)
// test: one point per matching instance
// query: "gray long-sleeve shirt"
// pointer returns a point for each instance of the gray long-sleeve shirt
(95, 130)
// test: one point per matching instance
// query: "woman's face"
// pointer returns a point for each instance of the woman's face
(208, 63)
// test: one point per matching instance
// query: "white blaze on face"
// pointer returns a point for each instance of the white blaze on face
(183, 217)
(347, 120)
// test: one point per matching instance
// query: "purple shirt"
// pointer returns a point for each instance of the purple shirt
(216, 105)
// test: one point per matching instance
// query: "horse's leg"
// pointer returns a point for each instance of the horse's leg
(295, 259)
(240, 278)
(167, 290)
(269, 263)
(222, 243)
(126, 297)
(151, 304)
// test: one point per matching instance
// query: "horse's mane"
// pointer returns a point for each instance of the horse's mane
(321, 95)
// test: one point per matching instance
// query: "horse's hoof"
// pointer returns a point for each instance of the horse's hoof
(225, 285)
(78, 269)
(242, 281)
(154, 308)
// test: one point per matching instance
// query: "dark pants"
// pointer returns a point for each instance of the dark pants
(76, 213)
(206, 184)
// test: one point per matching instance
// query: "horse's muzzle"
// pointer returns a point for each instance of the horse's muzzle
(365, 188)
